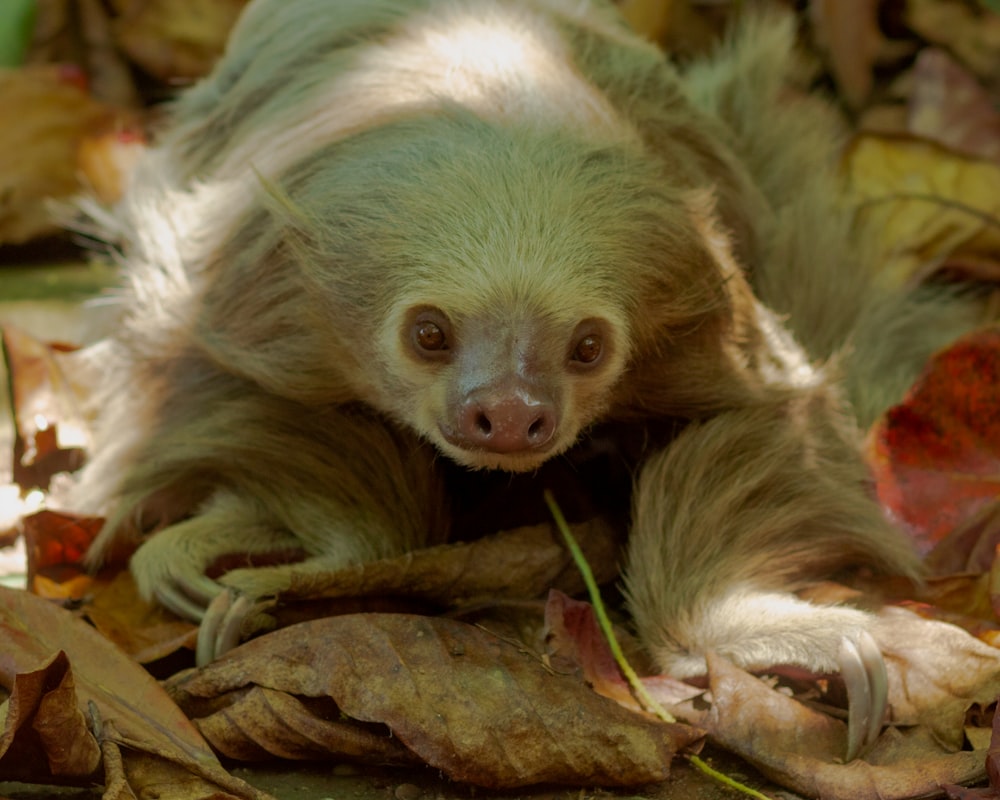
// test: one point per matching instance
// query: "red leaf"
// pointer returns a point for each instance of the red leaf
(936, 455)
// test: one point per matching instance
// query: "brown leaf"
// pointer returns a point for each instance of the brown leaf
(38, 154)
(575, 640)
(936, 672)
(263, 723)
(133, 702)
(146, 631)
(45, 733)
(48, 403)
(851, 36)
(521, 563)
(797, 746)
(175, 39)
(480, 709)
(948, 105)
(849, 33)
(971, 31)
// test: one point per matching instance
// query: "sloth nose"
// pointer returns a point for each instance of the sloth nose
(509, 424)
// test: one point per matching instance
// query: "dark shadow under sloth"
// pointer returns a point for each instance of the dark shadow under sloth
(387, 250)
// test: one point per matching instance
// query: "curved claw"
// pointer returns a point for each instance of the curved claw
(222, 625)
(867, 684)
(189, 596)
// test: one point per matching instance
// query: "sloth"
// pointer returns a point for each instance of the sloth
(388, 249)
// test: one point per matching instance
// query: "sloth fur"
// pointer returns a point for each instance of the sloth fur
(388, 249)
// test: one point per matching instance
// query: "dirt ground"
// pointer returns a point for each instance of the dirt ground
(344, 782)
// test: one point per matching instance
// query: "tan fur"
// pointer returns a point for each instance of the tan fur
(525, 169)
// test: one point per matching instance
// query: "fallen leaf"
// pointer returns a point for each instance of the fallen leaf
(175, 39)
(34, 630)
(480, 709)
(49, 386)
(936, 456)
(949, 106)
(849, 34)
(55, 543)
(45, 733)
(936, 672)
(38, 154)
(574, 640)
(258, 724)
(521, 563)
(796, 746)
(146, 631)
(928, 204)
(970, 31)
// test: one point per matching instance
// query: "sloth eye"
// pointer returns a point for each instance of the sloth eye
(429, 336)
(588, 349)
(430, 333)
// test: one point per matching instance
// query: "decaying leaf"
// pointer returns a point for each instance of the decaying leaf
(574, 640)
(936, 456)
(145, 631)
(480, 709)
(55, 543)
(936, 672)
(175, 39)
(45, 733)
(797, 746)
(521, 563)
(848, 32)
(134, 709)
(928, 205)
(969, 30)
(49, 385)
(949, 106)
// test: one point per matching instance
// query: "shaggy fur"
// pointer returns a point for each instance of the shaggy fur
(383, 232)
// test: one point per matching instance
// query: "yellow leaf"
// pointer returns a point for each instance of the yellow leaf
(927, 203)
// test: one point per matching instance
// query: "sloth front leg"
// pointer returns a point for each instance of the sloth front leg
(334, 486)
(736, 515)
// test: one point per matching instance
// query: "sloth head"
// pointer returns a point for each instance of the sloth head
(494, 288)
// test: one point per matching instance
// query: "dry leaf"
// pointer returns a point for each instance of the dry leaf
(48, 403)
(45, 734)
(928, 205)
(480, 709)
(936, 456)
(38, 154)
(34, 630)
(949, 106)
(848, 31)
(574, 640)
(175, 39)
(145, 631)
(971, 31)
(797, 746)
(936, 672)
(261, 723)
(522, 563)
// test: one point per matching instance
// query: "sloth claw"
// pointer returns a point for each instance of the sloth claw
(180, 602)
(867, 682)
(222, 625)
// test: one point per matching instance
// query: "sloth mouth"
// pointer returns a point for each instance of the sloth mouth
(482, 457)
